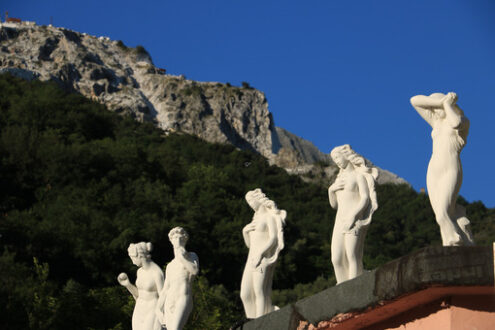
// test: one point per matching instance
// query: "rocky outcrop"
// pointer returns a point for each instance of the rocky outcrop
(301, 157)
(295, 151)
(127, 82)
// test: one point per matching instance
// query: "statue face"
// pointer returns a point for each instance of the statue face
(253, 203)
(270, 204)
(340, 160)
(136, 260)
(177, 241)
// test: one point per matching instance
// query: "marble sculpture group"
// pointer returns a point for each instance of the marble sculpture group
(167, 300)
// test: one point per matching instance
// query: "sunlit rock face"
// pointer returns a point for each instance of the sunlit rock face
(126, 81)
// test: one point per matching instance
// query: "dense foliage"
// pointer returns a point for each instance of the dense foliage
(79, 183)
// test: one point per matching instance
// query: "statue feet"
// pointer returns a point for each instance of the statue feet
(452, 239)
(465, 227)
(457, 241)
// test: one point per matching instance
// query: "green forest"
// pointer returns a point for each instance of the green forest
(78, 183)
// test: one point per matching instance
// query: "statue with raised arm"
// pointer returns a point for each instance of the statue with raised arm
(149, 282)
(175, 303)
(264, 237)
(353, 195)
(444, 176)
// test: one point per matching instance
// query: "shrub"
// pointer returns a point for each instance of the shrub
(141, 50)
(121, 45)
(246, 85)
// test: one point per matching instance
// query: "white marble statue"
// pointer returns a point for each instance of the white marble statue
(265, 238)
(175, 302)
(149, 282)
(444, 176)
(353, 195)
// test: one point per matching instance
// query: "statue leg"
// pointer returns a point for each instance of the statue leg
(360, 249)
(267, 288)
(448, 231)
(136, 321)
(247, 294)
(458, 214)
(259, 279)
(144, 315)
(442, 187)
(464, 225)
(169, 311)
(352, 254)
(180, 315)
(339, 261)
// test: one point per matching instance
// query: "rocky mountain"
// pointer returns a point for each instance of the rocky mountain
(126, 81)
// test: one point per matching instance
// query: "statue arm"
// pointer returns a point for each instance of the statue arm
(364, 194)
(272, 237)
(245, 233)
(192, 266)
(160, 306)
(163, 292)
(159, 279)
(364, 197)
(339, 184)
(133, 290)
(424, 104)
(124, 281)
(453, 118)
(332, 198)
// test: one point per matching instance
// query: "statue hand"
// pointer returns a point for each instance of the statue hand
(339, 184)
(255, 261)
(160, 314)
(123, 279)
(249, 227)
(454, 95)
(450, 98)
(348, 224)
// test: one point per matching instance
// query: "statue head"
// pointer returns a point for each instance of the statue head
(178, 237)
(139, 252)
(256, 198)
(338, 155)
(438, 112)
(344, 155)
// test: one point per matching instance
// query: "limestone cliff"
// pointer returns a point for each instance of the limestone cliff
(126, 81)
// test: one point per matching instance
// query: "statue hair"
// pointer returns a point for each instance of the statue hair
(455, 107)
(358, 161)
(178, 231)
(140, 249)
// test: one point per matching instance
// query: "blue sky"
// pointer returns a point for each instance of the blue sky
(334, 72)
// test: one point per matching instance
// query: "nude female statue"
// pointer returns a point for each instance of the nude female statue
(149, 281)
(175, 302)
(444, 176)
(353, 195)
(265, 238)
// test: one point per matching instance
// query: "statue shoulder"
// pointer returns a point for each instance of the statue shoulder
(279, 217)
(193, 256)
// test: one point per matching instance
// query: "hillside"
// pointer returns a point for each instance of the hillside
(79, 183)
(127, 82)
